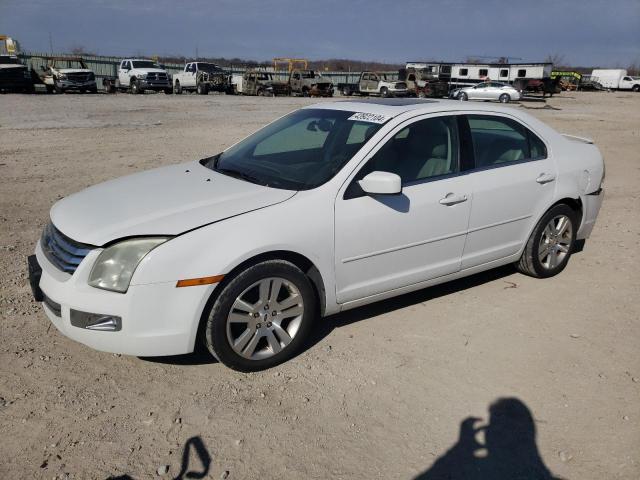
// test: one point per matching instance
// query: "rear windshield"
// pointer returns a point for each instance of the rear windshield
(297, 152)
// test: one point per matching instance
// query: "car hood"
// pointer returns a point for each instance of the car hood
(148, 70)
(164, 201)
(72, 70)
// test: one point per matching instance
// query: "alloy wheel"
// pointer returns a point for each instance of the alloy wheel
(265, 318)
(555, 241)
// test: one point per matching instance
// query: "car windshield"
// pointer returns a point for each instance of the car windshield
(4, 60)
(263, 76)
(76, 64)
(297, 152)
(209, 67)
(144, 64)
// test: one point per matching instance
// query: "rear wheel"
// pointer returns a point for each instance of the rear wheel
(504, 98)
(551, 244)
(346, 91)
(262, 316)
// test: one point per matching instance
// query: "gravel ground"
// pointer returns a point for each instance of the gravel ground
(381, 392)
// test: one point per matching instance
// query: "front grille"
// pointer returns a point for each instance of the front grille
(12, 74)
(156, 76)
(401, 85)
(64, 253)
(80, 77)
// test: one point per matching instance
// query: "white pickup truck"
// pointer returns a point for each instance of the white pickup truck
(139, 75)
(203, 77)
(616, 79)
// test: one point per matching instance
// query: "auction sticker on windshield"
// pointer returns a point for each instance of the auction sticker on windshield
(369, 117)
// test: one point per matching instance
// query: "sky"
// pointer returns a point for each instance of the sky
(602, 33)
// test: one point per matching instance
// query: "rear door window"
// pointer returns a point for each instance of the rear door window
(499, 141)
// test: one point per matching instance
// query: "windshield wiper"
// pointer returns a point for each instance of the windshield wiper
(238, 174)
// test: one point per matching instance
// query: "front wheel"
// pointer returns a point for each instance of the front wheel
(135, 87)
(551, 244)
(202, 89)
(262, 317)
(463, 97)
(58, 88)
(504, 98)
(636, 88)
(384, 92)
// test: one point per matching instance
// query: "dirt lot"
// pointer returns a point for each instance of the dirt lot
(381, 392)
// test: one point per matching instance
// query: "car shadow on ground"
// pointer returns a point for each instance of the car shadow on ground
(508, 450)
(326, 325)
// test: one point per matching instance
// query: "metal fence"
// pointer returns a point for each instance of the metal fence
(104, 66)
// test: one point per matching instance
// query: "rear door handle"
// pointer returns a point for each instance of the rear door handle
(545, 178)
(452, 199)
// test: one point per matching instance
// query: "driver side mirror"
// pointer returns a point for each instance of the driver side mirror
(381, 183)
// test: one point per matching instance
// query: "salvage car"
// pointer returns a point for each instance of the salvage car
(62, 74)
(330, 207)
(495, 91)
(260, 83)
(202, 77)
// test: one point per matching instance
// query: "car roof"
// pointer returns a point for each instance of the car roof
(393, 107)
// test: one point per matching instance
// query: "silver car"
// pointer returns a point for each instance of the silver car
(487, 91)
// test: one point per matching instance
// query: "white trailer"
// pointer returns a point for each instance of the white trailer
(616, 79)
(468, 74)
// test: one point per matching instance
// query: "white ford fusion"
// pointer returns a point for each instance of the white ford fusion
(330, 207)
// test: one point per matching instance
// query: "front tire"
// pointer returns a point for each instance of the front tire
(262, 317)
(202, 88)
(463, 97)
(551, 244)
(636, 88)
(135, 87)
(384, 92)
(504, 98)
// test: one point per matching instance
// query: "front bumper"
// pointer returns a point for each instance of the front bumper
(157, 319)
(67, 84)
(155, 84)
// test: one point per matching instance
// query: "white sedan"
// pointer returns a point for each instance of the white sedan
(495, 91)
(331, 207)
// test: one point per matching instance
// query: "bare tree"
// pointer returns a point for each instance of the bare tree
(557, 59)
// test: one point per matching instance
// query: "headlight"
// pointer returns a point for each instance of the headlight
(141, 75)
(62, 76)
(115, 265)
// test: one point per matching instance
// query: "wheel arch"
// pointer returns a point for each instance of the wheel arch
(574, 203)
(299, 260)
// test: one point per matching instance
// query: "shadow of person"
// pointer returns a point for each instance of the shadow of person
(509, 451)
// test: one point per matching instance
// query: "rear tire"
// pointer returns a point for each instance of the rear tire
(504, 98)
(551, 244)
(248, 330)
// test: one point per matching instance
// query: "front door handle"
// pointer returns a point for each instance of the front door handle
(452, 199)
(545, 178)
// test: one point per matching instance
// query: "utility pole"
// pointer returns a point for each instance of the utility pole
(50, 43)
